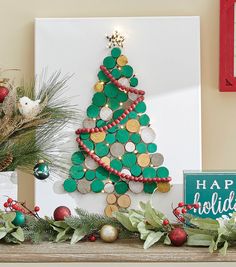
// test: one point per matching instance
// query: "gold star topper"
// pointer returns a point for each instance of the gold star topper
(116, 39)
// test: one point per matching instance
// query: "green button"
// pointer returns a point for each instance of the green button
(152, 148)
(149, 172)
(141, 148)
(109, 62)
(133, 81)
(136, 170)
(99, 99)
(135, 138)
(84, 135)
(127, 71)
(118, 113)
(97, 186)
(102, 77)
(141, 107)
(114, 178)
(77, 157)
(111, 90)
(77, 172)
(89, 144)
(101, 149)
(113, 129)
(144, 120)
(90, 175)
(110, 138)
(121, 187)
(116, 73)
(101, 173)
(132, 115)
(116, 164)
(116, 52)
(122, 96)
(113, 103)
(100, 123)
(149, 187)
(129, 159)
(162, 172)
(92, 111)
(70, 185)
(122, 136)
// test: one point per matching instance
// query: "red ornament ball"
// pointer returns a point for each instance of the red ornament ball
(3, 93)
(178, 236)
(61, 212)
(92, 238)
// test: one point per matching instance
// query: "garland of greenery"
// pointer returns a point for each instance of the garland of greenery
(145, 223)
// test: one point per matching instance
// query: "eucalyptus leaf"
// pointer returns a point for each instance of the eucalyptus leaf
(152, 238)
(3, 232)
(142, 205)
(199, 240)
(144, 232)
(61, 224)
(9, 216)
(212, 246)
(223, 250)
(135, 218)
(206, 224)
(124, 220)
(18, 234)
(152, 216)
(77, 235)
(167, 240)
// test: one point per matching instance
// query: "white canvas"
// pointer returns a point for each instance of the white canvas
(165, 55)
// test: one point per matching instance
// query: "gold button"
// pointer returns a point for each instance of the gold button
(133, 126)
(98, 87)
(122, 60)
(163, 187)
(98, 137)
(143, 160)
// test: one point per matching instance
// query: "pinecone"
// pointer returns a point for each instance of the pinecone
(6, 162)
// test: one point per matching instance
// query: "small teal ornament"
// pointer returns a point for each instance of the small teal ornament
(19, 219)
(41, 170)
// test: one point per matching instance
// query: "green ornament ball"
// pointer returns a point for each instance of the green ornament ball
(19, 219)
(41, 170)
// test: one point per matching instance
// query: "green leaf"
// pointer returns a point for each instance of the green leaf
(152, 238)
(60, 224)
(61, 236)
(206, 224)
(167, 240)
(212, 246)
(223, 250)
(135, 218)
(18, 234)
(153, 217)
(3, 232)
(199, 240)
(124, 220)
(9, 216)
(77, 235)
(144, 232)
(142, 205)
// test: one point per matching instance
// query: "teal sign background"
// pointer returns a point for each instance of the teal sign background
(214, 191)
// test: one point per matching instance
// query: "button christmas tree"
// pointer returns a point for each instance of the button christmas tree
(117, 152)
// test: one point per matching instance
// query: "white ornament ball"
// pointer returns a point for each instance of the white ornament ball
(108, 233)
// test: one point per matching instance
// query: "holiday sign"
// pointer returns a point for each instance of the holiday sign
(214, 191)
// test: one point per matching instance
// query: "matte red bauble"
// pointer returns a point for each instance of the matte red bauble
(61, 213)
(178, 236)
(3, 93)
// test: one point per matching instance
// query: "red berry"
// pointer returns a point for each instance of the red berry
(5, 205)
(184, 210)
(196, 206)
(92, 238)
(9, 200)
(177, 212)
(181, 204)
(165, 222)
(188, 207)
(182, 219)
(36, 209)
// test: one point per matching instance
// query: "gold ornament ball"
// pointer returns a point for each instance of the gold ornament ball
(109, 233)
